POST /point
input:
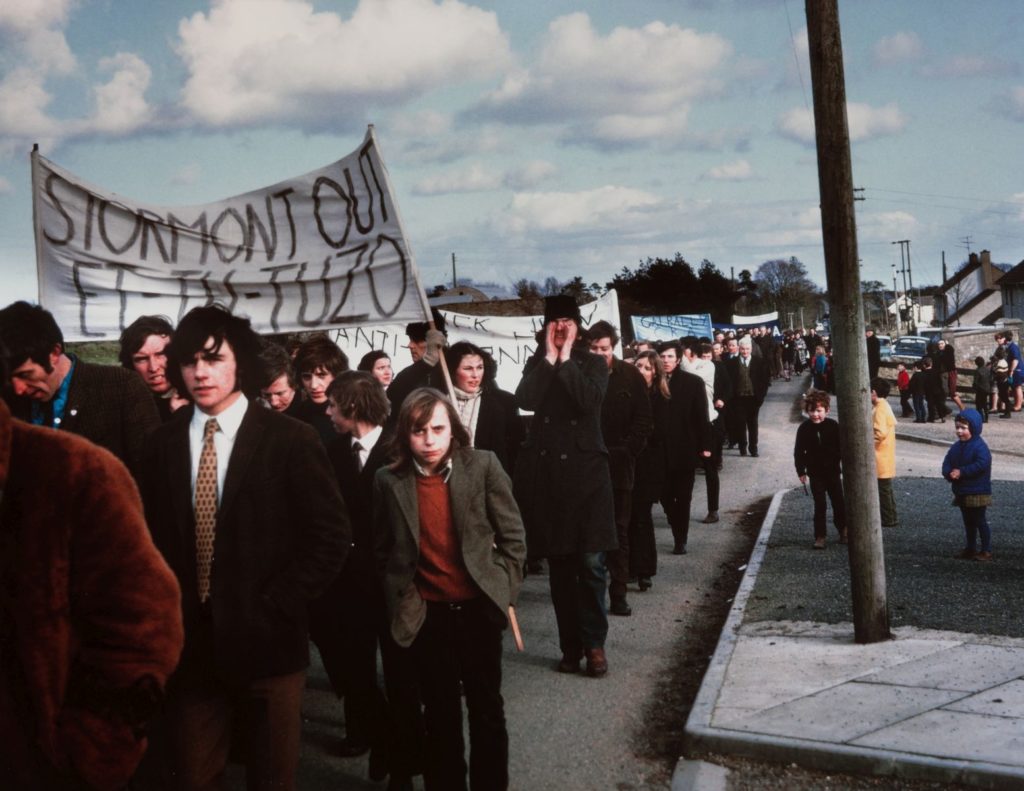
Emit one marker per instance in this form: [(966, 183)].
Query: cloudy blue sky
[(534, 137)]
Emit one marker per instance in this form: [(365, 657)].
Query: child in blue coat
[(968, 467)]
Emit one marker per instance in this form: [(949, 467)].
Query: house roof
[(1014, 277)]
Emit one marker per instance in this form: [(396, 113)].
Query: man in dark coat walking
[(626, 423), (688, 444), (563, 485)]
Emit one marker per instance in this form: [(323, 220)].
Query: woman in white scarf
[(488, 413)]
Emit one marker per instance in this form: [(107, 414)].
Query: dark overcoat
[(562, 482), (626, 421), (282, 536), (499, 428), (652, 462), (689, 432)]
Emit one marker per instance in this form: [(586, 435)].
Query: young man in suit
[(107, 405), (347, 621), (242, 503)]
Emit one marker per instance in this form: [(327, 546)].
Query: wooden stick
[(516, 634)]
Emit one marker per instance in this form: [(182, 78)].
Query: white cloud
[(474, 179), (898, 48), (36, 25), (120, 103), (865, 122), (968, 66), (605, 208), (740, 170), (23, 103), (633, 84), (1011, 103), (260, 60), (530, 175)]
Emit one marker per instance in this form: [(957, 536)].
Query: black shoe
[(350, 749), (645, 583), (753, 453), (569, 663), (620, 606), (1006, 416), (732, 446), (400, 783), (743, 451), (679, 548)]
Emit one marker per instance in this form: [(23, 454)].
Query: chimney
[(986, 258), (972, 259)]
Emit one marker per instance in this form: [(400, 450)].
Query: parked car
[(884, 346), (909, 349)]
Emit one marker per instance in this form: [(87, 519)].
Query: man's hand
[(550, 352), (803, 479), (954, 475), (570, 338), (435, 343)]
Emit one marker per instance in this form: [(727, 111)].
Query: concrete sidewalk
[(930, 704)]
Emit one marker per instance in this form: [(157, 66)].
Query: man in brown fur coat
[(90, 614)]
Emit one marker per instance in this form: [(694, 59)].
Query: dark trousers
[(405, 730), (578, 587), (905, 407), (618, 559), (643, 550), (202, 716), (458, 649), (975, 526), (920, 412), (676, 501), (744, 411), (983, 403), (344, 625), (832, 485)]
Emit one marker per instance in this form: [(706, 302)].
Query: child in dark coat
[(982, 387), (816, 456), (917, 392), (968, 467)]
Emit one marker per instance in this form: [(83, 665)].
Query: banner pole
[(37, 230), (424, 302)]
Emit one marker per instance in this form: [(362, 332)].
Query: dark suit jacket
[(485, 517), (758, 369), (282, 536), (108, 405)]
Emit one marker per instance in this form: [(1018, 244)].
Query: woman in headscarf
[(488, 413)]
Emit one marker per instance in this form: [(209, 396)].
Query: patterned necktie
[(206, 508), (357, 454)]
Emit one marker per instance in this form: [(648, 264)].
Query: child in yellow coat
[(884, 425)]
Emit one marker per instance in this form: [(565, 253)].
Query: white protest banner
[(670, 328), (755, 321), (321, 250), (510, 340)]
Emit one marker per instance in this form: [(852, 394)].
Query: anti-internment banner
[(317, 251), (669, 328), (510, 340)]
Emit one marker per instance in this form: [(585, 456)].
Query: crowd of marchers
[(153, 632)]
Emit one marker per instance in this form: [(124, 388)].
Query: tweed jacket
[(108, 405), (282, 535), (96, 629), (486, 519)]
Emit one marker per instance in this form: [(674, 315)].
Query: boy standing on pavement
[(817, 457)]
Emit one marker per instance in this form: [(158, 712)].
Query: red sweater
[(441, 574)]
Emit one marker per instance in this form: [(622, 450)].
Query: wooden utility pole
[(839, 232)]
